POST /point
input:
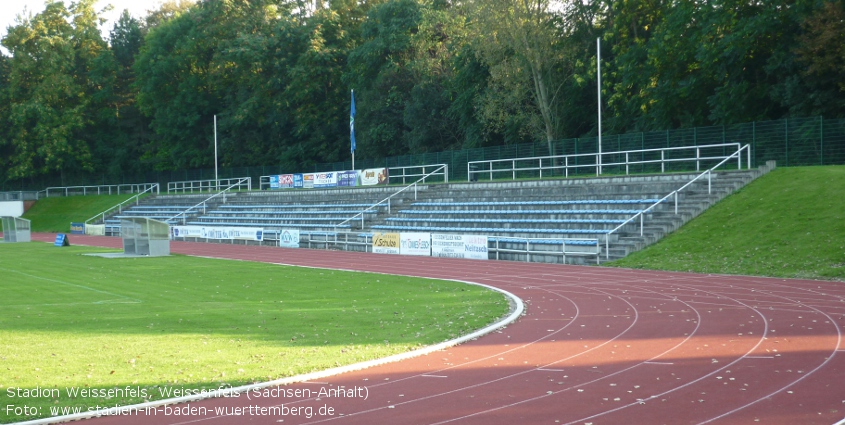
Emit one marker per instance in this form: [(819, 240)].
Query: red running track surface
[(595, 346)]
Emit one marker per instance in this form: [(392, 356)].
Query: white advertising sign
[(415, 244), (227, 233), (459, 246), (289, 238)]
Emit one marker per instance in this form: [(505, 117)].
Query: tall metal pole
[(598, 72), (216, 180)]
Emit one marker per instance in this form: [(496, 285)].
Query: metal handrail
[(708, 172), (414, 184), (222, 192), (566, 160), (120, 205)]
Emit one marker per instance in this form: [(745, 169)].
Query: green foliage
[(429, 76), (789, 223), (177, 322)]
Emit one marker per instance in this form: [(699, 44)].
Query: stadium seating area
[(575, 214)]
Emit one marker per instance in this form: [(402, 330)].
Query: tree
[(518, 42), (49, 90)]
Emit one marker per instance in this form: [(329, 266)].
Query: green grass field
[(789, 223), (55, 214), (73, 321)]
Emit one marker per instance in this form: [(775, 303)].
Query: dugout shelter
[(15, 229), (145, 236)]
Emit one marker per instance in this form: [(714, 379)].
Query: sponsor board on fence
[(415, 244), (386, 243), (322, 180), (281, 181), (77, 228), (459, 246), (347, 178), (374, 176), (308, 181), (289, 238), (227, 233), (297, 181), (95, 229)]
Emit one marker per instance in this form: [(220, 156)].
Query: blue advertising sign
[(61, 240), (347, 178)]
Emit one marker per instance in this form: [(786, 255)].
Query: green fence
[(790, 142)]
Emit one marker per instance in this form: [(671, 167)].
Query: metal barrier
[(387, 199), (578, 247), (115, 189), (19, 196), (238, 183), (419, 171), (191, 186), (119, 206), (674, 193), (663, 156)]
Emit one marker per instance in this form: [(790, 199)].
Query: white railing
[(237, 183), (586, 247), (119, 206), (20, 195), (674, 193), (419, 171), (663, 156), (387, 199), (112, 189), (191, 186)]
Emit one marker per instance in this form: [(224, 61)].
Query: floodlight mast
[(216, 180), (598, 72)]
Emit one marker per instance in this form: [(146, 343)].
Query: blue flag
[(352, 122)]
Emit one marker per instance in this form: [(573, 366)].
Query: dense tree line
[(429, 75)]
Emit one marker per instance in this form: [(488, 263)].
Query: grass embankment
[(55, 214), (789, 223), (69, 321)]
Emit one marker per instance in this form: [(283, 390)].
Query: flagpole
[(352, 128)]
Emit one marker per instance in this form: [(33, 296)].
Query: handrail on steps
[(414, 184), (707, 172), (120, 205)]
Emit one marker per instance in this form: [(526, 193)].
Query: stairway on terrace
[(574, 210)]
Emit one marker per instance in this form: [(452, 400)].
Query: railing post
[(541, 168), (641, 224), (446, 173), (662, 161), (388, 205), (748, 152), (709, 173), (415, 191), (513, 169), (606, 246), (676, 201), (566, 166), (697, 159), (626, 163)]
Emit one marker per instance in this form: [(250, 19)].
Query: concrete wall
[(11, 208)]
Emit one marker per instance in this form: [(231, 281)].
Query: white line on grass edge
[(517, 307)]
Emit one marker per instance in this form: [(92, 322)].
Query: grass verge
[(70, 322), (789, 223), (55, 214)]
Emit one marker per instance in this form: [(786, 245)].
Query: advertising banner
[(415, 244), (347, 178), (386, 243), (308, 181), (274, 182), (322, 180), (77, 228), (95, 229), (285, 181), (227, 233), (289, 238), (459, 246), (297, 181), (374, 176)]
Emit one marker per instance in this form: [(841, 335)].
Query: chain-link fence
[(790, 142)]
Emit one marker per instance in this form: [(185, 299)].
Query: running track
[(595, 346)]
